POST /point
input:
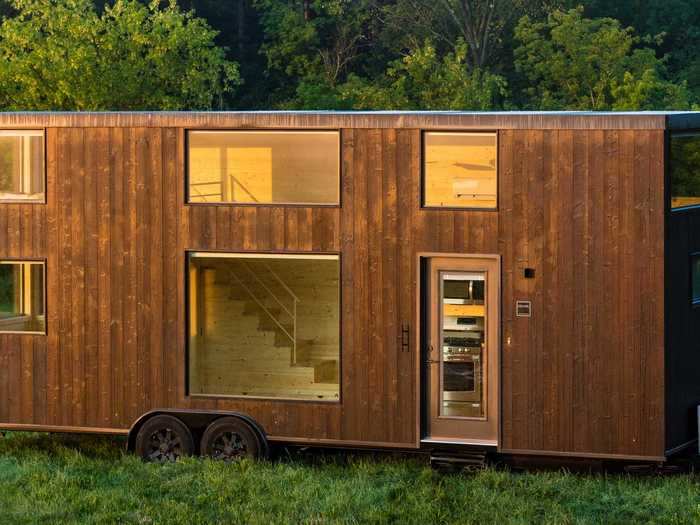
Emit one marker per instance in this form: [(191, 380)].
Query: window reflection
[(22, 297), (262, 167), (685, 170), (463, 321), (460, 170), (21, 165)]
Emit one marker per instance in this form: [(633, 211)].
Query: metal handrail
[(204, 196), (261, 305), (220, 182), (284, 285), (291, 313), (236, 181), (270, 292)]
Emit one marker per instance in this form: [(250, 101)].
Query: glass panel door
[(463, 315), (461, 357)]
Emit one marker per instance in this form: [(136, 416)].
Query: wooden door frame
[(418, 335)]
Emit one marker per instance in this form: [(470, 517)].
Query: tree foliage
[(573, 62), (349, 54), (483, 25), (424, 80), (63, 54), (311, 45)]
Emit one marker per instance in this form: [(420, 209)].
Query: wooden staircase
[(249, 349)]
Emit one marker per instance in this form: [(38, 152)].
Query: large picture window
[(685, 170), (460, 170), (22, 297), (22, 165), (264, 167), (263, 325)]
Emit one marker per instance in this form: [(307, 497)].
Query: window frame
[(30, 260), (44, 175), (423, 172), (668, 179), (339, 134), (253, 254), (694, 302)]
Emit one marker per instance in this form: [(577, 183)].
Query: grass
[(66, 479)]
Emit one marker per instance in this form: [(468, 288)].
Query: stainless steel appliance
[(462, 374)]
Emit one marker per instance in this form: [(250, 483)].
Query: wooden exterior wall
[(583, 207), (586, 209)]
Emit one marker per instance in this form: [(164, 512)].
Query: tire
[(230, 439), (164, 439)]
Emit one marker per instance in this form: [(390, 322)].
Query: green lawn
[(65, 479)]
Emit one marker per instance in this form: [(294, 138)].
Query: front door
[(461, 358)]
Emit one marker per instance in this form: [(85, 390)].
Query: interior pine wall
[(582, 207)]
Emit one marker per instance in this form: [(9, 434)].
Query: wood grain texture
[(584, 208), (338, 120), (585, 373)]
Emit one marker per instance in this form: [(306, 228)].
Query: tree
[(239, 32), (421, 80), (63, 55), (314, 44), (572, 62), (424, 80), (5, 9), (678, 21), (482, 24)]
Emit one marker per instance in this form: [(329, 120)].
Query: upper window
[(22, 297), (460, 170), (695, 277), (22, 165), (685, 170), (264, 325), (264, 167)]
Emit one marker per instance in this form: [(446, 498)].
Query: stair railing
[(237, 182), (194, 188), (291, 312)]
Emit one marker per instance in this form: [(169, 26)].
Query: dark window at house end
[(685, 170), (695, 278)]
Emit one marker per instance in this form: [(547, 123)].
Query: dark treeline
[(389, 54)]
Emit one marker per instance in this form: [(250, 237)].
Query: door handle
[(428, 360), (405, 338)]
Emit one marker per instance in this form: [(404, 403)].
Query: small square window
[(460, 170), (22, 166), (22, 297), (695, 277)]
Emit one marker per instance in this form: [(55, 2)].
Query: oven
[(461, 377)]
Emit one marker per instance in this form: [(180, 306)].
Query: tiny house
[(526, 284)]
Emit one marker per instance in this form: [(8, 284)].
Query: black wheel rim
[(228, 446), (164, 445)]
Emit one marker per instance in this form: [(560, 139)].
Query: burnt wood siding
[(583, 207), (585, 374)]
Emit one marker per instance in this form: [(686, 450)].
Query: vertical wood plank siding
[(585, 373), (584, 208)]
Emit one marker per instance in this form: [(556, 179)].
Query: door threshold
[(456, 441)]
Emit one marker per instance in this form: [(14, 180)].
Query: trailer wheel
[(163, 439), (230, 439)]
